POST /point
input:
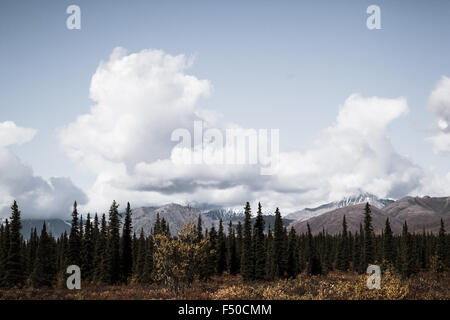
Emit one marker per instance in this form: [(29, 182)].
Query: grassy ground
[(335, 285)]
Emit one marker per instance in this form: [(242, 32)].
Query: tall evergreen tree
[(292, 262), (314, 265), (269, 268), (221, 250), (126, 246), (100, 275), (279, 249), (239, 241), (14, 273), (199, 228), (88, 248), (247, 252), (405, 252), (232, 257), (258, 245), (343, 256), (112, 258), (74, 253), (441, 247), (388, 243), (44, 273), (369, 247)]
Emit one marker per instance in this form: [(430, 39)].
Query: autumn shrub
[(177, 259)]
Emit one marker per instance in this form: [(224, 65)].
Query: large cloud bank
[(141, 98), (37, 197)]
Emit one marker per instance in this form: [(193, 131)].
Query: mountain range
[(420, 213)]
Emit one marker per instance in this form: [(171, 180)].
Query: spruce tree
[(269, 267), (313, 261), (279, 249), (88, 248), (44, 272), (258, 245), (405, 252), (369, 248), (247, 252), (74, 254), (112, 258), (388, 243), (140, 259), (199, 228), (126, 254), (232, 257), (14, 271), (441, 247), (343, 256), (100, 275), (239, 241), (221, 258), (211, 260), (292, 262)]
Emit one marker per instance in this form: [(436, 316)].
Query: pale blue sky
[(273, 64)]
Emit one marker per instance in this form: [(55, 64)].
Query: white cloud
[(439, 104), (139, 99), (36, 197), (11, 134)]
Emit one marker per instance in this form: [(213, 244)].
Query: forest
[(112, 255)]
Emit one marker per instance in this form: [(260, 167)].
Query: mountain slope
[(308, 213), (420, 213), (174, 214)]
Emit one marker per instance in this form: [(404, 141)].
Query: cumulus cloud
[(11, 134), (141, 98), (439, 104), (36, 197)]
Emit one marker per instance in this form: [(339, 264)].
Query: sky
[(87, 114)]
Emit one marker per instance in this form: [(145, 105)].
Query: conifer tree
[(209, 266), (140, 259), (343, 256), (44, 272), (126, 246), (74, 253), (232, 257), (314, 265), (247, 264), (14, 271), (221, 258), (32, 247), (112, 258), (441, 247), (100, 275), (199, 228), (369, 248), (269, 267), (388, 243), (239, 241), (279, 249), (292, 262), (4, 248), (258, 245), (405, 252), (88, 247)]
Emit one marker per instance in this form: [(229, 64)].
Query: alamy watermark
[(237, 147), (74, 280), (374, 280)]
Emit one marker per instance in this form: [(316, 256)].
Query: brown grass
[(336, 285)]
